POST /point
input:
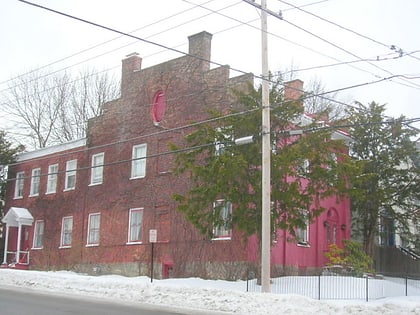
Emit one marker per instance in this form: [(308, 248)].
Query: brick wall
[(190, 88)]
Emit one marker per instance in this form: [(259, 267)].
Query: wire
[(392, 47), (280, 17), (194, 56), (135, 37), (160, 132), (377, 59), (416, 86), (103, 43), (112, 50), (201, 146), (145, 40)]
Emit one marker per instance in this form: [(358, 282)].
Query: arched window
[(158, 108)]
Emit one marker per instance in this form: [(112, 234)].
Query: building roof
[(16, 216)]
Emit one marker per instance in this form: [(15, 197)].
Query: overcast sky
[(357, 34)]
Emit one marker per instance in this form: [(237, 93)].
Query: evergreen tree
[(387, 189), (304, 168), (7, 156)]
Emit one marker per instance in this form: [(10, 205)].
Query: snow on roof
[(17, 215), (51, 150)]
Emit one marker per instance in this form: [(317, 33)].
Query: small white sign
[(153, 236)]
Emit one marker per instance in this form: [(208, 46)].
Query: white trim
[(70, 172), (35, 234), (19, 180), (88, 230), (51, 150), (222, 238), (62, 232), (135, 159), (51, 175), (133, 243), (129, 242), (98, 167), (35, 179)]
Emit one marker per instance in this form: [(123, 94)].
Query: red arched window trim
[(159, 106)]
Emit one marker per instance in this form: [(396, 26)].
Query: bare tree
[(54, 108), (89, 93), (322, 104)]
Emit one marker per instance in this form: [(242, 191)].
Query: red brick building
[(89, 205)]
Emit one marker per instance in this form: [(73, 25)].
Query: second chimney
[(293, 90)]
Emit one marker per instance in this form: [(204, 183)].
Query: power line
[(113, 50), (154, 43), (103, 43), (192, 148), (338, 25), (125, 34), (194, 56), (392, 47), (416, 86), (280, 17), (157, 133), (132, 36), (377, 59)]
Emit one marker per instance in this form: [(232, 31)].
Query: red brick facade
[(189, 88)]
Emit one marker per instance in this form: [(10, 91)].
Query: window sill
[(69, 189), (17, 197), (50, 192), (95, 184), (64, 247), (37, 248), (133, 243), (34, 195), (92, 245), (303, 245), (137, 177), (222, 238)]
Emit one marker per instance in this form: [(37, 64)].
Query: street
[(26, 302)]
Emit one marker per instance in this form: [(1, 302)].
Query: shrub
[(351, 257)]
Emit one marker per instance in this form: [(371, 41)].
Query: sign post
[(152, 240)]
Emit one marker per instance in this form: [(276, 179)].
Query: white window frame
[(70, 172), (223, 232), (93, 235), (38, 241), (302, 234), (138, 162), (35, 182), (52, 179), (19, 185), (135, 228), (66, 232), (96, 172)]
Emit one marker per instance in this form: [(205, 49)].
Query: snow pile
[(198, 294)]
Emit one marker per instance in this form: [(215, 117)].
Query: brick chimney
[(200, 46), (130, 64), (293, 90)]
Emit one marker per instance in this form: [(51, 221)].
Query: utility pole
[(266, 158), (266, 151)]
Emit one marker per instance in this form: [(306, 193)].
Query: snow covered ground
[(197, 294)]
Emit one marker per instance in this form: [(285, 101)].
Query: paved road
[(25, 302)]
